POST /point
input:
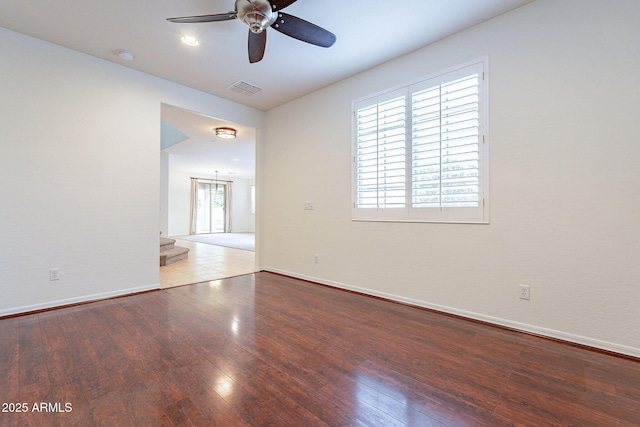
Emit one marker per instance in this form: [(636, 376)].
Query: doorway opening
[(211, 216), (207, 196)]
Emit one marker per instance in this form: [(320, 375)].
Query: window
[(212, 206), (420, 151)]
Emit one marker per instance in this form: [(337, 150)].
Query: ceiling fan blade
[(303, 30), (281, 4), (257, 45), (204, 18)]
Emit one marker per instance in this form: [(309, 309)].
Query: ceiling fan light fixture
[(256, 21), (190, 41), (225, 132), (257, 14)]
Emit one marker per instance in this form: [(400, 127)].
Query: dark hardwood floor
[(270, 350)]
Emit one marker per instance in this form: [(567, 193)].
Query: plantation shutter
[(380, 156), (445, 144), (419, 152)]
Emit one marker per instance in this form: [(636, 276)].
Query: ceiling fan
[(260, 14)]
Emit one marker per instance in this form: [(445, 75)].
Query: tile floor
[(205, 263)]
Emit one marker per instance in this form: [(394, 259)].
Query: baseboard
[(522, 327), (75, 301)]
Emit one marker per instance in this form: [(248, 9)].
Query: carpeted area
[(244, 241)]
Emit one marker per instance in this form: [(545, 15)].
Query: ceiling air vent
[(244, 88)]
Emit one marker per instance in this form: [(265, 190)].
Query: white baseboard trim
[(78, 300), (523, 327)]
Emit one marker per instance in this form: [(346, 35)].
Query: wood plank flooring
[(267, 350)]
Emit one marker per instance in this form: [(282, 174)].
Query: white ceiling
[(203, 153), (369, 32)]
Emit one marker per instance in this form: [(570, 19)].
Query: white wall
[(241, 219), (80, 172), (253, 190), (164, 193), (180, 201), (564, 167)]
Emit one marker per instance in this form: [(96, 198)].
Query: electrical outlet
[(524, 292), (308, 206), (54, 274), (316, 258)]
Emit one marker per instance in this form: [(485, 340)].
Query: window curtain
[(193, 213), (228, 209)]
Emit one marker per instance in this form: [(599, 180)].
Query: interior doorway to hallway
[(224, 170)]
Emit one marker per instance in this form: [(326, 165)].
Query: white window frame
[(476, 214)]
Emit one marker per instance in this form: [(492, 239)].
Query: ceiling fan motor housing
[(257, 14)]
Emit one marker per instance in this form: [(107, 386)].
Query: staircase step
[(166, 244), (172, 255)]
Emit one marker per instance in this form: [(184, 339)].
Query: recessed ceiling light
[(190, 41)]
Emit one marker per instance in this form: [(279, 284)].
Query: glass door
[(211, 208)]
